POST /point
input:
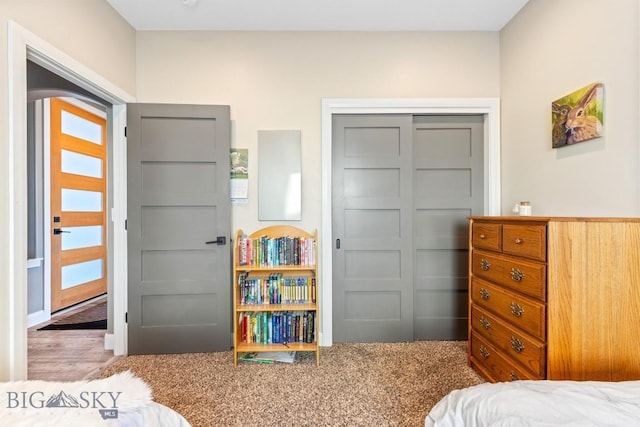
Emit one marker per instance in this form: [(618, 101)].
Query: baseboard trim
[(109, 341), (37, 318)]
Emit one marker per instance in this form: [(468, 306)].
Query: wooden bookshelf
[(275, 291)]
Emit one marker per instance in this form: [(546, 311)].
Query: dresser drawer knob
[(484, 294), (517, 274), (485, 323), (516, 309), (517, 345), (484, 264), (519, 241), (484, 352), (482, 236), (514, 376)]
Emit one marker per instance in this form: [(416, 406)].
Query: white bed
[(121, 400), (540, 403)]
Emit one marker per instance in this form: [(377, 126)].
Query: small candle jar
[(525, 209)]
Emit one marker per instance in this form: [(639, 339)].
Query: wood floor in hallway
[(67, 355)]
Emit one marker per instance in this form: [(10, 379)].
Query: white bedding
[(540, 403), (152, 415)]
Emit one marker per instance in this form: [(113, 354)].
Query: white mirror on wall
[(279, 175)]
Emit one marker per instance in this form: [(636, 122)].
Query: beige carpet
[(393, 384)]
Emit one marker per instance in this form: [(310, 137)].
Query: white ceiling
[(319, 15)]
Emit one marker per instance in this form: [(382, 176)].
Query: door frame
[(43, 112), (488, 107), (23, 45)]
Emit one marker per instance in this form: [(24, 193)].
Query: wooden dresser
[(554, 298)]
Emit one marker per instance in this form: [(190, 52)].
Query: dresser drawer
[(487, 236), (513, 343), (529, 241), (520, 311), (527, 277), (489, 360)]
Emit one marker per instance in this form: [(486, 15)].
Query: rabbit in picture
[(580, 126), (558, 133)]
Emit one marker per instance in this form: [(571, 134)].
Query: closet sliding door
[(402, 188)]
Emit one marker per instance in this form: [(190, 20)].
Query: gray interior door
[(178, 228), (448, 187), (372, 227), (402, 189)]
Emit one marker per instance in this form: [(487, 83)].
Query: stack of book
[(277, 327), (276, 288), (279, 251)]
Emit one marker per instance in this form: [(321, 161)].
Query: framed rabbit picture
[(578, 116)]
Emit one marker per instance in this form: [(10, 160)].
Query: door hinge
[(126, 317), (125, 131), (125, 224)]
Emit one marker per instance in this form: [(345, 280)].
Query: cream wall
[(550, 49), (276, 80), (90, 32)]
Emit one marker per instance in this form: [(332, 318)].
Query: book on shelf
[(276, 288), (268, 357), (277, 327), (283, 356), (277, 251), (253, 358)]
